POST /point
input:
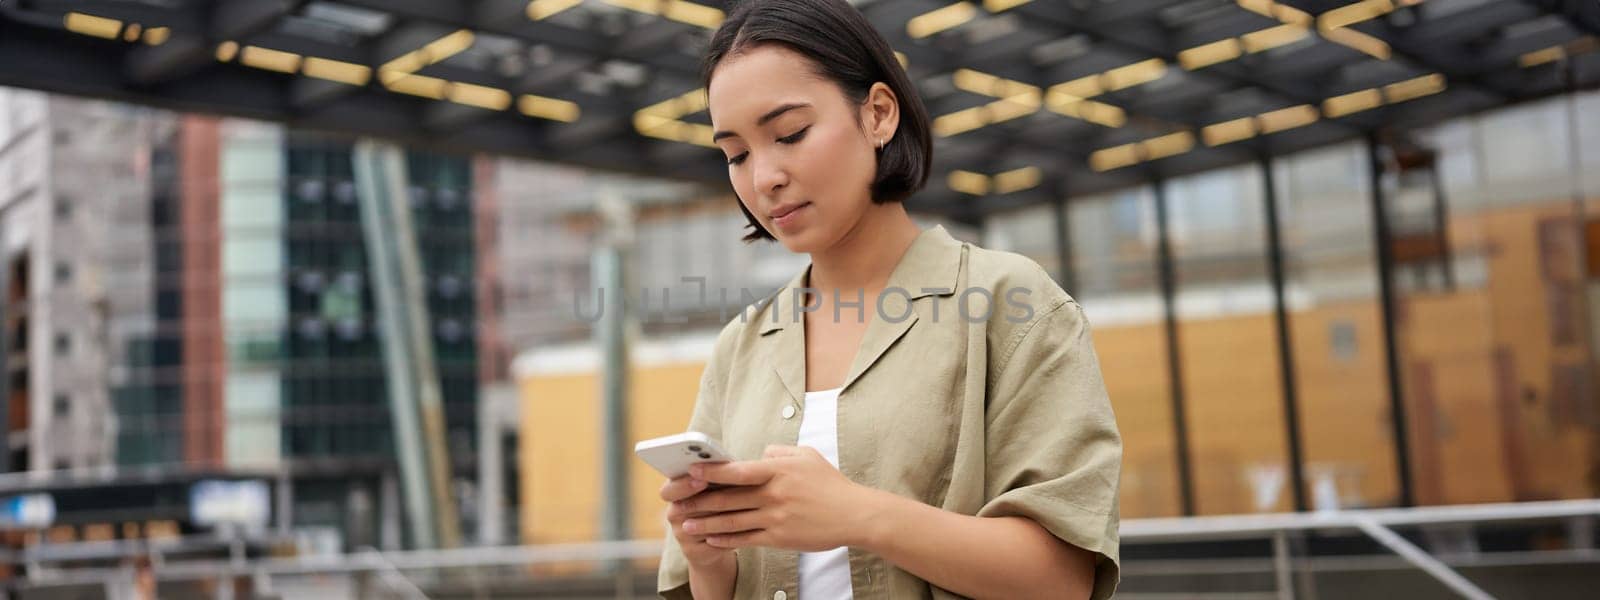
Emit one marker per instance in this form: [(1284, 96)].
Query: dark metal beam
[(1067, 273), (1389, 307), (5, 347), (406, 37), (306, 93), (276, 40), (1166, 272), (181, 55), (190, 50), (496, 16), (1277, 271), (1582, 14), (1462, 66), (1232, 75), (1067, 19), (145, 14), (1108, 13), (235, 19), (85, 66)]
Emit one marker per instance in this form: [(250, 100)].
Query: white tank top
[(824, 575)]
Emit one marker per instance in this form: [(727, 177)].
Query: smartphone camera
[(704, 455), (694, 448)]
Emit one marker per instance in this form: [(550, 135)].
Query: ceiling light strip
[(91, 25), (967, 182), (935, 21), (539, 10), (1276, 121)]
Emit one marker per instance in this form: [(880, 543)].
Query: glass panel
[(1524, 153), (1336, 324), (1114, 262), (1588, 127), (252, 155), (1228, 343), (252, 406), (1030, 232), (255, 258), (1498, 362)]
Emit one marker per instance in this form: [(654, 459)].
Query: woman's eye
[(738, 159), (797, 136)]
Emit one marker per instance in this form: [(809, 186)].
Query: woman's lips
[(791, 217)]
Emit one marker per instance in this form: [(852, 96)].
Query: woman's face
[(800, 154)]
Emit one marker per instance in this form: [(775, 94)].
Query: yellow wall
[(1234, 405), (1133, 362), (560, 458)]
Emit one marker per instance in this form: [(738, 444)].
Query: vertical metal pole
[(415, 399), (1388, 304), (1066, 274), (1280, 309), (375, 186), (611, 273), (1280, 565), (491, 466), (1580, 217), (389, 536), (1168, 281), (5, 348), (1305, 578), (283, 499), (1441, 224)]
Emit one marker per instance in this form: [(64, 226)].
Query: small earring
[(880, 143)]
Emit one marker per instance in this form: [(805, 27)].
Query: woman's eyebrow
[(766, 118)]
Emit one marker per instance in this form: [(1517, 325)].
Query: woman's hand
[(792, 499), (695, 550)]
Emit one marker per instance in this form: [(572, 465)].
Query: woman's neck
[(867, 254)]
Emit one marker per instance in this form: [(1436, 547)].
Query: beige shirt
[(995, 409)]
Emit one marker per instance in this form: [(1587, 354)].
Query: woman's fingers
[(755, 472), (723, 500), (682, 487), (748, 539), (723, 523), (777, 451)]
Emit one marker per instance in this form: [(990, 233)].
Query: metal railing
[(1377, 524)]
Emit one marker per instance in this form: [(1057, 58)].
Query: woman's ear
[(881, 113)]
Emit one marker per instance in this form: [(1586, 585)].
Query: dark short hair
[(846, 50)]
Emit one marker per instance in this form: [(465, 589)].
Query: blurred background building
[(1341, 258)]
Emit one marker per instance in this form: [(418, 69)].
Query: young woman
[(920, 417)]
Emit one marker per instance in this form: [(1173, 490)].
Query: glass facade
[(1114, 254), (146, 388), (254, 223), (1491, 251), (302, 376), (1497, 320), (1226, 341), (333, 385), (1336, 327)]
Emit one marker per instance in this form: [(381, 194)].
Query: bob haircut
[(843, 48)]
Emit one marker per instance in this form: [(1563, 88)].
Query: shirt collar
[(930, 266)]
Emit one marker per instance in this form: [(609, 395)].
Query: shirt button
[(788, 413), (780, 595)]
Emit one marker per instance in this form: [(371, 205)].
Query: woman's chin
[(795, 245), (799, 242)]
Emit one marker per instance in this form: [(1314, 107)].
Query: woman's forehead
[(746, 86)]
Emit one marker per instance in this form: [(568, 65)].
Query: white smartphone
[(672, 455)]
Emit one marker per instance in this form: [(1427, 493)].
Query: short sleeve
[(672, 580), (1053, 451)]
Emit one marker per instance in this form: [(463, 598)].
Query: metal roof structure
[(1033, 100)]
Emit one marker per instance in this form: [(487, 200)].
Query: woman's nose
[(770, 175)]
